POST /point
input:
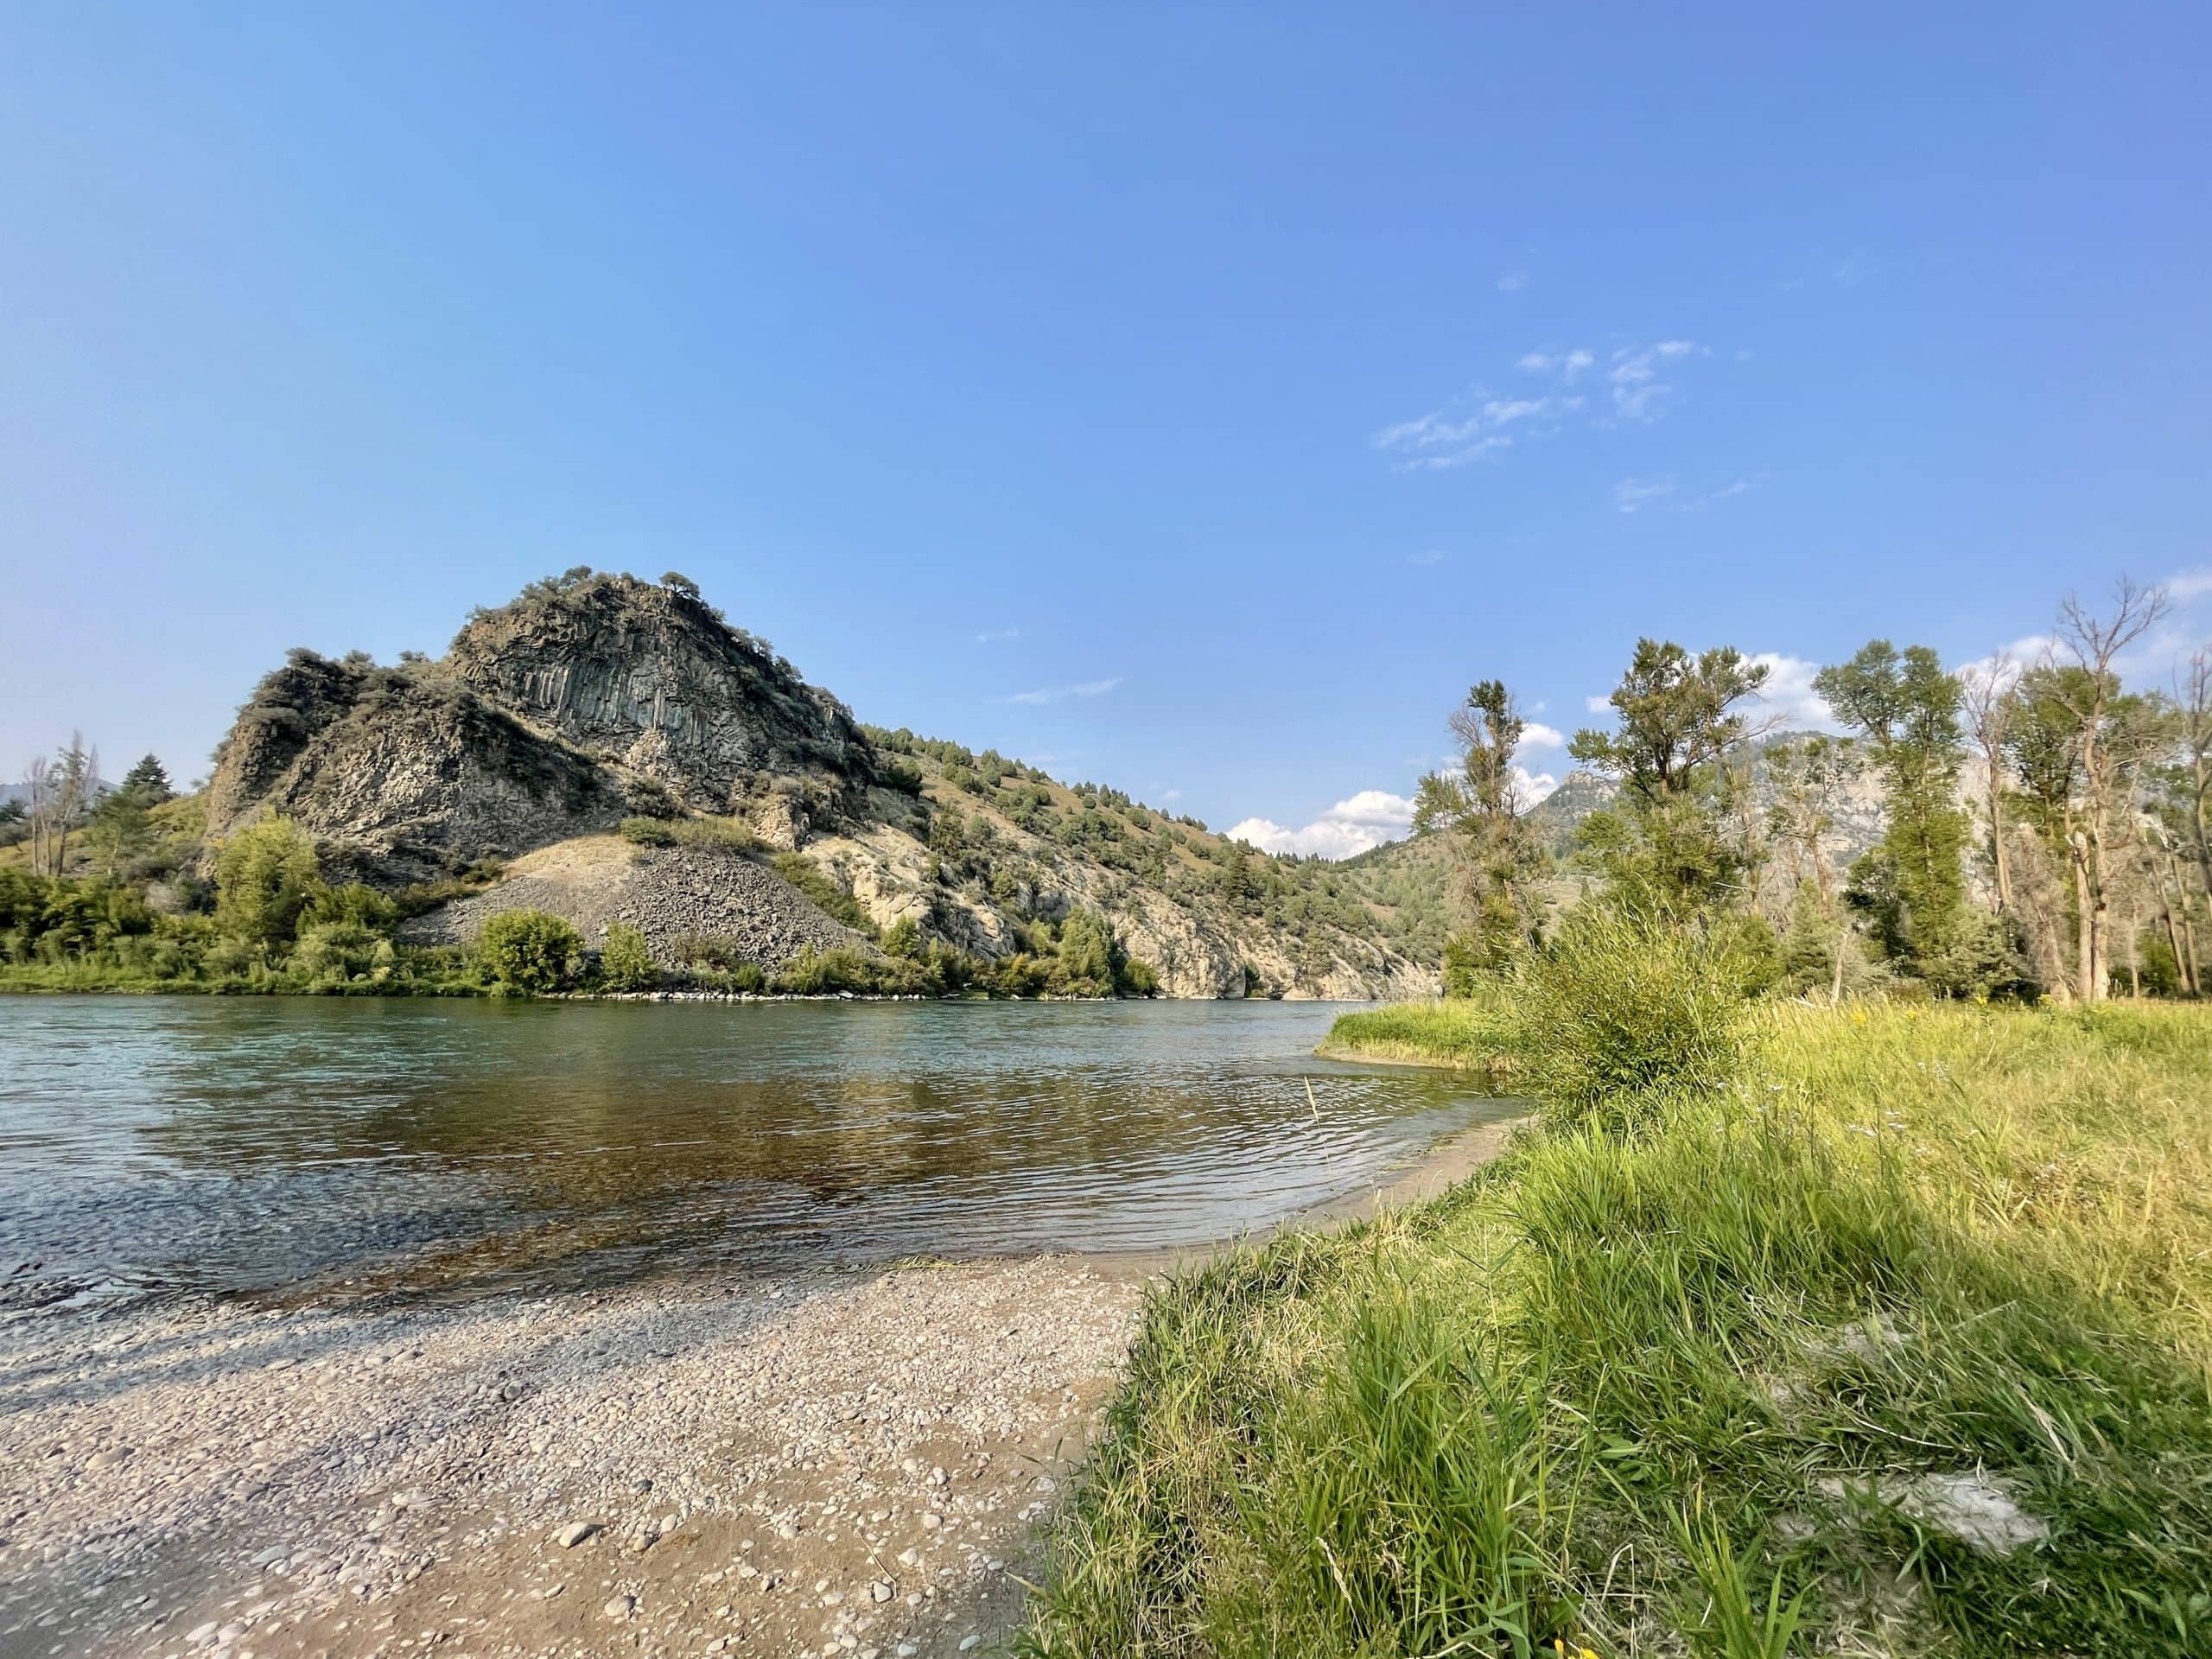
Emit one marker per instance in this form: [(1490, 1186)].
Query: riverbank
[(1464, 1036), (823, 1463), (1894, 1342)]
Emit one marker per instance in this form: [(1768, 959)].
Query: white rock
[(575, 1533), (880, 1591), (619, 1606)]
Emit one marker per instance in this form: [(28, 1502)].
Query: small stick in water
[(1310, 1101)]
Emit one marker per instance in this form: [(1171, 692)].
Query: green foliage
[(648, 832), (341, 948), (1620, 1013), (356, 903), (1497, 857), (1915, 886), (625, 963), (265, 877), (1666, 849), (1619, 1394), (148, 781), (531, 952), (1476, 1032), (826, 895), (903, 938)]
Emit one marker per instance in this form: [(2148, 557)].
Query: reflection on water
[(328, 1147)]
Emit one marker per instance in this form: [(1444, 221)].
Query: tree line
[(2043, 824)]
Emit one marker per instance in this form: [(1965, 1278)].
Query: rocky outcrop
[(652, 680), (400, 772)]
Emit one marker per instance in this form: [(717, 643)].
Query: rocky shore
[(819, 1465)]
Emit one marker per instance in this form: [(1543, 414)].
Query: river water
[(285, 1149)]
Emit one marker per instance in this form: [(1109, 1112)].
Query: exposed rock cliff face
[(593, 696), (401, 773), (650, 679)]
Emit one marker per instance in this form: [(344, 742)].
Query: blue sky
[(1195, 400)]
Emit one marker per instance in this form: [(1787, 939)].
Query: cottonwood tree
[(1985, 703), (2114, 735), (60, 794), (1808, 777), (1678, 723), (1480, 804), (1907, 709)]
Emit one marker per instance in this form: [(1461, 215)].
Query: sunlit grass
[(1660, 1393), (1467, 1033)]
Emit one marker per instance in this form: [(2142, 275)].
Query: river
[(286, 1150)]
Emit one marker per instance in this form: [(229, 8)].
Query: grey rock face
[(647, 678), (401, 773)]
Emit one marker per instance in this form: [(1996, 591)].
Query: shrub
[(625, 963), (903, 938), (649, 832), (1620, 1008), (342, 949), (530, 951), (353, 903), (715, 834), (265, 876), (824, 893)]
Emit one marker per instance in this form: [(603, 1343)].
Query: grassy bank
[(1743, 1380), (1465, 1035)]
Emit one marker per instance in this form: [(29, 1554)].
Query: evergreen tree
[(150, 781)]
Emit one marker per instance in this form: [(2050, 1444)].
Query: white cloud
[(1057, 693), (2186, 586), (1476, 423), (990, 635), (1533, 786), (1351, 826), (1634, 380), (1446, 438), (1788, 694), (1427, 555), (1600, 704), (1537, 735), (1169, 796), (1513, 282), (1634, 494)]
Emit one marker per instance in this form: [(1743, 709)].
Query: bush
[(903, 938), (529, 952), (341, 949), (1621, 1008), (625, 963), (649, 832), (824, 893)]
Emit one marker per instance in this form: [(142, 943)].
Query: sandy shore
[(820, 1464)]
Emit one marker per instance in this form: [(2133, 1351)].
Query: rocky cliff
[(592, 697)]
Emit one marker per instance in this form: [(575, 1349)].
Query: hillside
[(593, 699)]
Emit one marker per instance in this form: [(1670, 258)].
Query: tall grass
[(1476, 1034), (1670, 1391)]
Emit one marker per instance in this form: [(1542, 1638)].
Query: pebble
[(399, 1489)]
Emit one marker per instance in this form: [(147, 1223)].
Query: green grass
[(1644, 1393), (1471, 1034)]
